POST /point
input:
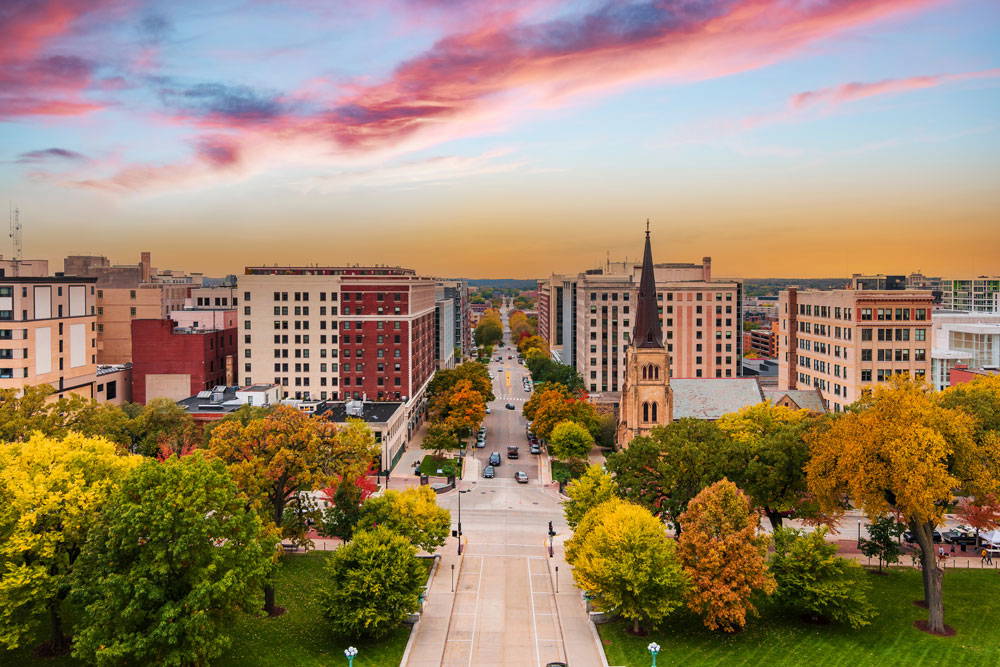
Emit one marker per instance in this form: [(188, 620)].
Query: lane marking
[(475, 619), (534, 625)]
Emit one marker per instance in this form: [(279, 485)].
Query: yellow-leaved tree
[(51, 490), (903, 451)]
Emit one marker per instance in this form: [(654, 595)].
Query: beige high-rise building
[(48, 334), (843, 342), (588, 318), (118, 306)]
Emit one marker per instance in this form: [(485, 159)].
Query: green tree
[(174, 555), (592, 488), (444, 381), (883, 540), (24, 412), (570, 440), (277, 458), (488, 332), (624, 558), (413, 513), (814, 581), (50, 491), (372, 584), (440, 438), (979, 398), (724, 555), (342, 514), (169, 429)]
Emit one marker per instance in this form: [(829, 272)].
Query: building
[(843, 342), (961, 374), (213, 405), (764, 370), (458, 291), (646, 397), (114, 384), (968, 341), (336, 333), (879, 281), (444, 333), (979, 294), (713, 397), (764, 341), (386, 419), (222, 296), (193, 351), (48, 334), (24, 268), (587, 320), (117, 307), (797, 399)]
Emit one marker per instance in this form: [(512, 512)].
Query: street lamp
[(653, 649), (350, 652), (460, 519)]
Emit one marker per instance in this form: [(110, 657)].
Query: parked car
[(488, 411), (908, 536), (521, 477), (510, 406), (512, 452), (489, 472), (959, 535), (480, 444), (535, 449), (495, 459)]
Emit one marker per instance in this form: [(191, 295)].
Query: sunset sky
[(800, 138)]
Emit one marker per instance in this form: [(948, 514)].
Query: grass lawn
[(972, 607), (431, 464), (299, 637)]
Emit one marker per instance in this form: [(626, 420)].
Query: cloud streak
[(854, 91)]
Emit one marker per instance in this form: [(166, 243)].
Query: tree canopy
[(553, 404), (592, 488), (570, 440), (413, 513)]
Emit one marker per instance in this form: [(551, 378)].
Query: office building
[(444, 332), (969, 341), (458, 291), (979, 294), (843, 342)]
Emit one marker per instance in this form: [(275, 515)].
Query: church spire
[(647, 324)]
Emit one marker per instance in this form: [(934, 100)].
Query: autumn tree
[(902, 451), (25, 412), (488, 332), (767, 455), (545, 371), (979, 398), (463, 410), (413, 513), (343, 507), (533, 342), (553, 404), (371, 584), (592, 488), (724, 556), (622, 556), (287, 453), (814, 581), (440, 438), (173, 556), (982, 515), (444, 381), (666, 469), (570, 441), (883, 540), (50, 491)]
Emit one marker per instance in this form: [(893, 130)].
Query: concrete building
[(969, 341), (842, 342), (334, 333), (765, 341), (444, 333), (224, 296), (587, 320), (979, 294), (117, 307), (193, 351), (114, 384), (458, 291), (48, 334), (24, 268), (386, 419)]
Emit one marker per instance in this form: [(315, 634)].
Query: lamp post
[(350, 652), (653, 649), (460, 520)]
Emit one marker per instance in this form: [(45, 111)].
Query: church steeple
[(648, 333)]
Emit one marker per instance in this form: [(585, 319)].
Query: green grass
[(299, 637), (972, 607), (431, 464)]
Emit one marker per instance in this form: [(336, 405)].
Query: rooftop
[(806, 399), (710, 398), (355, 270), (373, 412)]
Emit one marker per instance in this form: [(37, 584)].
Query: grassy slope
[(972, 607)]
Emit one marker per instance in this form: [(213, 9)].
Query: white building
[(968, 338)]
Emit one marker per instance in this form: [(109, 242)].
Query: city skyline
[(771, 136)]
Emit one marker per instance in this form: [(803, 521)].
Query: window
[(920, 354), (866, 313), (866, 354), (920, 334)]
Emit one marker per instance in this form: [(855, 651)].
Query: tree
[(440, 438), (900, 450), (587, 491), (982, 514), (665, 470), (555, 403), (626, 561), (278, 457), (444, 381), (488, 332), (570, 441), (767, 455), (372, 584), (817, 583), (883, 540), (533, 342), (174, 554), (545, 371), (50, 490), (413, 513), (344, 507), (167, 426), (724, 556), (22, 413), (464, 409), (980, 398)]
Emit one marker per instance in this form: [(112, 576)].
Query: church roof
[(806, 399), (710, 398), (648, 333)]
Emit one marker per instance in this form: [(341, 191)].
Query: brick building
[(764, 341), (117, 307), (175, 362)]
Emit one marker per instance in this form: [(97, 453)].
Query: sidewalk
[(579, 635), (430, 634)]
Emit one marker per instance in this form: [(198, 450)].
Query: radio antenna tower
[(16, 237)]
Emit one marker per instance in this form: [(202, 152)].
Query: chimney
[(144, 262), (706, 269)]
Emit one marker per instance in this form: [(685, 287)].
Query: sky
[(783, 138)]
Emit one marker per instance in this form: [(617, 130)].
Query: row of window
[(304, 296), (899, 314)]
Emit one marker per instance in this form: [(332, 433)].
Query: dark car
[(510, 406), (959, 536), (521, 477), (512, 452), (908, 536), (495, 459), (535, 449), (489, 472)]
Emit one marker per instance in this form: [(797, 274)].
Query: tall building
[(117, 307), (444, 332), (843, 342), (587, 320), (979, 294), (458, 291), (338, 333), (969, 341), (48, 334), (646, 398)]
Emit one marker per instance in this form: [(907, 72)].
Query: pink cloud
[(490, 75), (851, 92)]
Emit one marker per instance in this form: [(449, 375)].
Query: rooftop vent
[(354, 408)]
